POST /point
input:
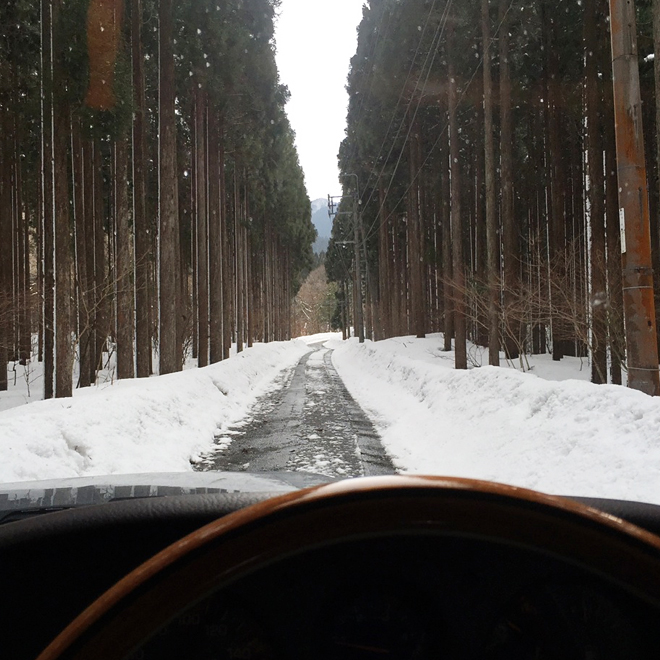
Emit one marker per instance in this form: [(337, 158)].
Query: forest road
[(310, 423)]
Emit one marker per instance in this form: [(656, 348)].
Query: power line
[(396, 108), (373, 229), (437, 37)]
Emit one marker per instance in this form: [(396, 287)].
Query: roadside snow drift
[(150, 425), (568, 438)]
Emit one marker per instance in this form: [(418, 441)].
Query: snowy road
[(310, 423)]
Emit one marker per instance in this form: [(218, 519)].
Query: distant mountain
[(319, 204), (323, 224), (321, 245)]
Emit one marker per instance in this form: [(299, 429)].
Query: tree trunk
[(509, 229), (384, 279), (556, 166), (185, 203), (249, 277), (6, 302), (616, 329), (447, 266), (24, 340), (596, 195), (398, 299), (540, 247), (215, 240), (193, 254), (63, 239), (123, 272), (39, 237), (168, 196), (202, 182), (88, 339), (238, 254), (140, 223), (493, 243), (416, 261), (48, 208), (656, 225), (102, 289), (458, 279), (268, 279), (224, 255), (82, 280), (480, 227)]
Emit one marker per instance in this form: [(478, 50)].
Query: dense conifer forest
[(480, 148), (151, 199), (152, 205)]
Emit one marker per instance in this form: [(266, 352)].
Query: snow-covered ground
[(547, 428), (156, 424)]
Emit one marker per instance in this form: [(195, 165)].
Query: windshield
[(331, 238)]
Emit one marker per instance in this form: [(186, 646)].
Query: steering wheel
[(238, 544)]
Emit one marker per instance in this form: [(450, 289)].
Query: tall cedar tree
[(525, 162), (168, 211), (80, 192)]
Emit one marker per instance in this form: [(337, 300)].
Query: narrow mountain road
[(310, 423)]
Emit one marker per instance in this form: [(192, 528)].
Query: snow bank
[(150, 425), (569, 438), (320, 337)]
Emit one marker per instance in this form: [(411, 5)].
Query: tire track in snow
[(310, 424)]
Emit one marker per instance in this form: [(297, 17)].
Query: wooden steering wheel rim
[(232, 546)]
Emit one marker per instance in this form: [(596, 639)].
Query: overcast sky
[(315, 42)]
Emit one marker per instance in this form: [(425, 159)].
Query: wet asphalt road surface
[(309, 423)]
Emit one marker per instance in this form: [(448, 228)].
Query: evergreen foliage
[(257, 206), (556, 253)]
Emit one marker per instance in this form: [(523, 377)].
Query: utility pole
[(638, 303), (357, 271)]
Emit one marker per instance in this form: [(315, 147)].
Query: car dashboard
[(412, 597), (404, 567)]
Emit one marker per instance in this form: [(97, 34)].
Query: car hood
[(26, 499), (33, 497)]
